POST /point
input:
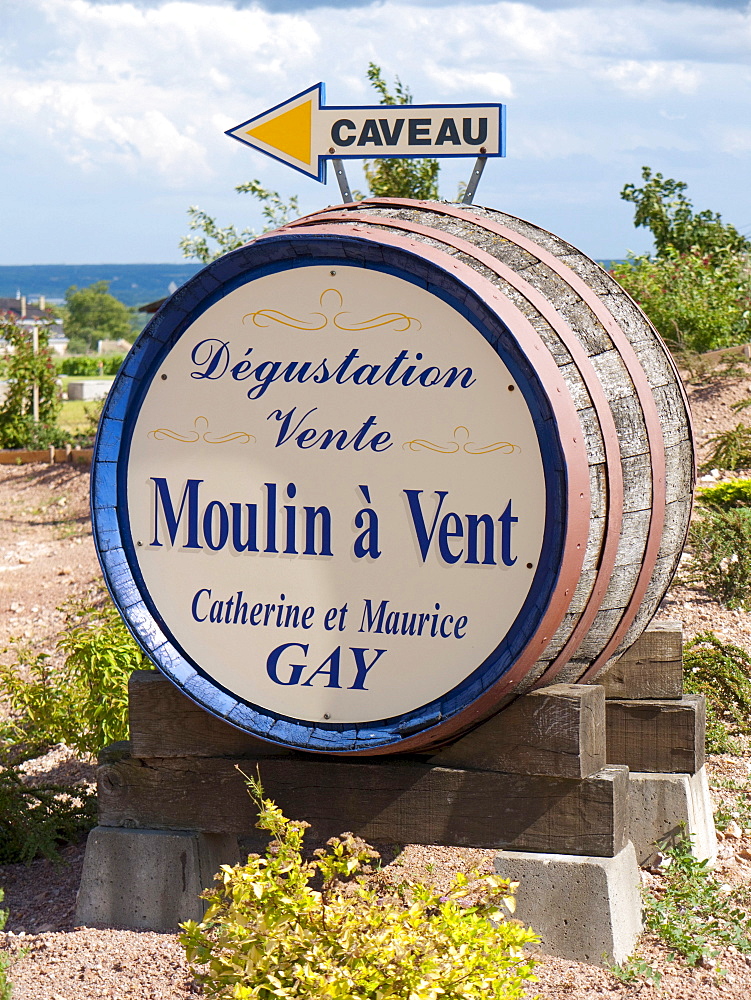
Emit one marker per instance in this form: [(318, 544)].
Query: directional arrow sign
[(303, 133)]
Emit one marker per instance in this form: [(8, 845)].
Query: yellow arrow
[(289, 132)]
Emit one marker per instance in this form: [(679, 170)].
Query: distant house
[(28, 315)]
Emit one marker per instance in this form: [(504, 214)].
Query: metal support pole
[(341, 176), (474, 180)]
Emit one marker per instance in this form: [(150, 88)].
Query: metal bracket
[(341, 176), (474, 180)]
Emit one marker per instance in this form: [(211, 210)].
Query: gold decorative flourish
[(331, 302), (461, 442), (163, 433)]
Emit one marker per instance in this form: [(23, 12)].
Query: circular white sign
[(335, 494)]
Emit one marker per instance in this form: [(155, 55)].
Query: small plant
[(737, 809), (721, 548), (6, 990), (721, 672), (726, 496), (635, 971), (84, 703), (34, 820), (690, 914), (730, 449), (268, 933)]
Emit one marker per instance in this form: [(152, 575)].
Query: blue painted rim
[(113, 539)]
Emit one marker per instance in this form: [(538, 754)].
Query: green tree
[(23, 369), (696, 289), (663, 208), (399, 178), (92, 314)]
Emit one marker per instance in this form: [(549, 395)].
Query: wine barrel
[(599, 405)]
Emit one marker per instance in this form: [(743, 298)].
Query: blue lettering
[(296, 669)]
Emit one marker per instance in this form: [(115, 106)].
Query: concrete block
[(663, 807), (93, 389), (585, 909), (148, 879)]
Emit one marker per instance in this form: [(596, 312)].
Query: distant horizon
[(134, 284)]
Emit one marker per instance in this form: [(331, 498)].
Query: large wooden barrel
[(602, 399)]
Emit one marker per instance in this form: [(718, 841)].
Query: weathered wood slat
[(386, 802), (659, 736)]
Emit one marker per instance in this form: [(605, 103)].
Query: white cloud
[(133, 96), (644, 79), (489, 83)]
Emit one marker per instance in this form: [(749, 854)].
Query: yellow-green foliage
[(84, 702), (269, 934)]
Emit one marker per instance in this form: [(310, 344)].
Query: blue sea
[(133, 284)]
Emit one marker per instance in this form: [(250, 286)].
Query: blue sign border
[(371, 154), (113, 538)]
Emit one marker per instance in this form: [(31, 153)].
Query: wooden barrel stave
[(644, 380)]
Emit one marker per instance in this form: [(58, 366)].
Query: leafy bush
[(721, 549), (731, 449), (35, 819), (733, 493), (695, 301), (721, 672), (269, 934), (690, 913), (85, 702)]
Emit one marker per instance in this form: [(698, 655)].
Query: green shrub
[(721, 549), (84, 703), (721, 672), (34, 820), (89, 364), (731, 449), (696, 301), (733, 493), (24, 369), (269, 934), (690, 913)]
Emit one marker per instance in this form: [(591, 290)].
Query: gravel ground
[(47, 555)]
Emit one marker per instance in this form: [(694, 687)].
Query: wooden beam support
[(651, 668), (403, 801), (660, 736), (557, 731), (166, 723)]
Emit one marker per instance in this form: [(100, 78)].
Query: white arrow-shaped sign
[(304, 133)]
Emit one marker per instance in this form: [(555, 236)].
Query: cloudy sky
[(113, 113)]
